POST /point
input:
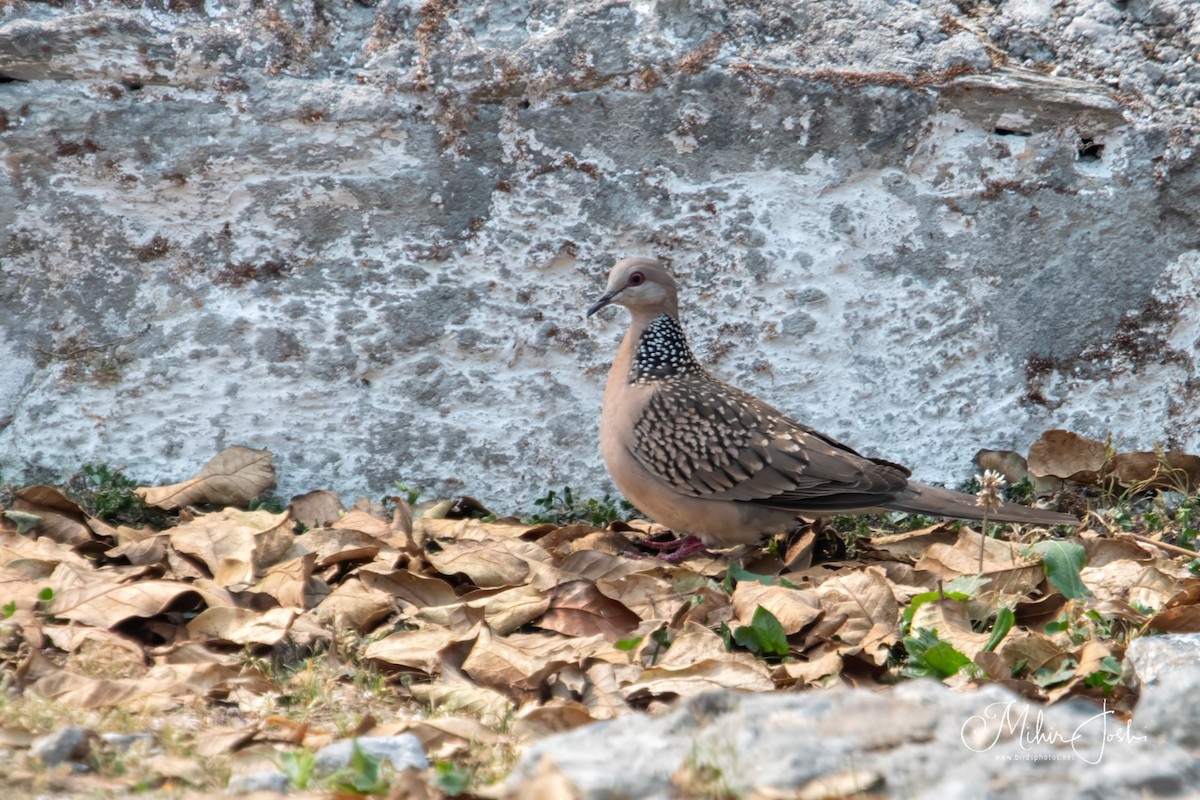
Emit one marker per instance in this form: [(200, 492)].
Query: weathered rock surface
[(362, 236), (918, 740)]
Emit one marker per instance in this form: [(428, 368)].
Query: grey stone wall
[(363, 235)]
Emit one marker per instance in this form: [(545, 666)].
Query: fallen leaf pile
[(490, 634)]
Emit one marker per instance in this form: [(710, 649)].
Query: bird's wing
[(707, 439)]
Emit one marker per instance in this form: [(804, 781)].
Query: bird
[(708, 460)]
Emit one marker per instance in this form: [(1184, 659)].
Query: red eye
[(637, 279)]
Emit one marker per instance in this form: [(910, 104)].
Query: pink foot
[(678, 550)]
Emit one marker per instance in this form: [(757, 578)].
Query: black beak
[(604, 300)]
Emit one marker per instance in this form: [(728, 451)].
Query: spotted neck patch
[(662, 352)]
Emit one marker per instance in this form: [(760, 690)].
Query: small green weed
[(563, 509), (107, 494), (362, 777)]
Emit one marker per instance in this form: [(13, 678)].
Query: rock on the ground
[(1168, 669), (63, 745), (262, 781), (403, 751), (918, 739), (363, 235)]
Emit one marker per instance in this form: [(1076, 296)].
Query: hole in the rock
[(1009, 132), (1088, 149)]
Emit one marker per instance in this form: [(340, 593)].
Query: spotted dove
[(702, 457)]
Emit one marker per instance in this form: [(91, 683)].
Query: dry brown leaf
[(549, 783), (1144, 470), (140, 546), (697, 661), (316, 509), (454, 693), (507, 610), (288, 581), (1010, 573), (61, 520), (948, 618), (243, 626), (595, 565), (364, 522), (1062, 454), (353, 604), (237, 546), (233, 477), (420, 591), (338, 545), (602, 692), (441, 737), (1036, 649), (818, 666), (871, 612), (578, 608), (647, 596), (417, 649), (794, 608), (109, 606), (1181, 614), (910, 546), (556, 716), (484, 563), (521, 660)]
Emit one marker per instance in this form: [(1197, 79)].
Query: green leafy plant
[(563, 508), (1005, 619), (1047, 677), (411, 494), (1063, 562), (299, 767), (108, 495), (363, 776), (266, 502), (930, 657), (452, 778), (764, 635), (1107, 677)]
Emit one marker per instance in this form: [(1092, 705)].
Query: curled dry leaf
[(1143, 470), (336, 545), (556, 716), (353, 604), (109, 606), (316, 509), (794, 608), (577, 608), (60, 519), (911, 545), (949, 620), (1062, 454), (521, 660), (510, 609), (233, 477), (698, 662), (454, 693), (1181, 614), (1009, 571), (417, 649), (868, 605), (484, 563), (237, 546), (245, 627)]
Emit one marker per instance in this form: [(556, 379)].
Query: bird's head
[(642, 285)]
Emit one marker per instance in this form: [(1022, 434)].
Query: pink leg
[(677, 551)]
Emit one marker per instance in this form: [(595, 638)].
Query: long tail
[(921, 498)]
